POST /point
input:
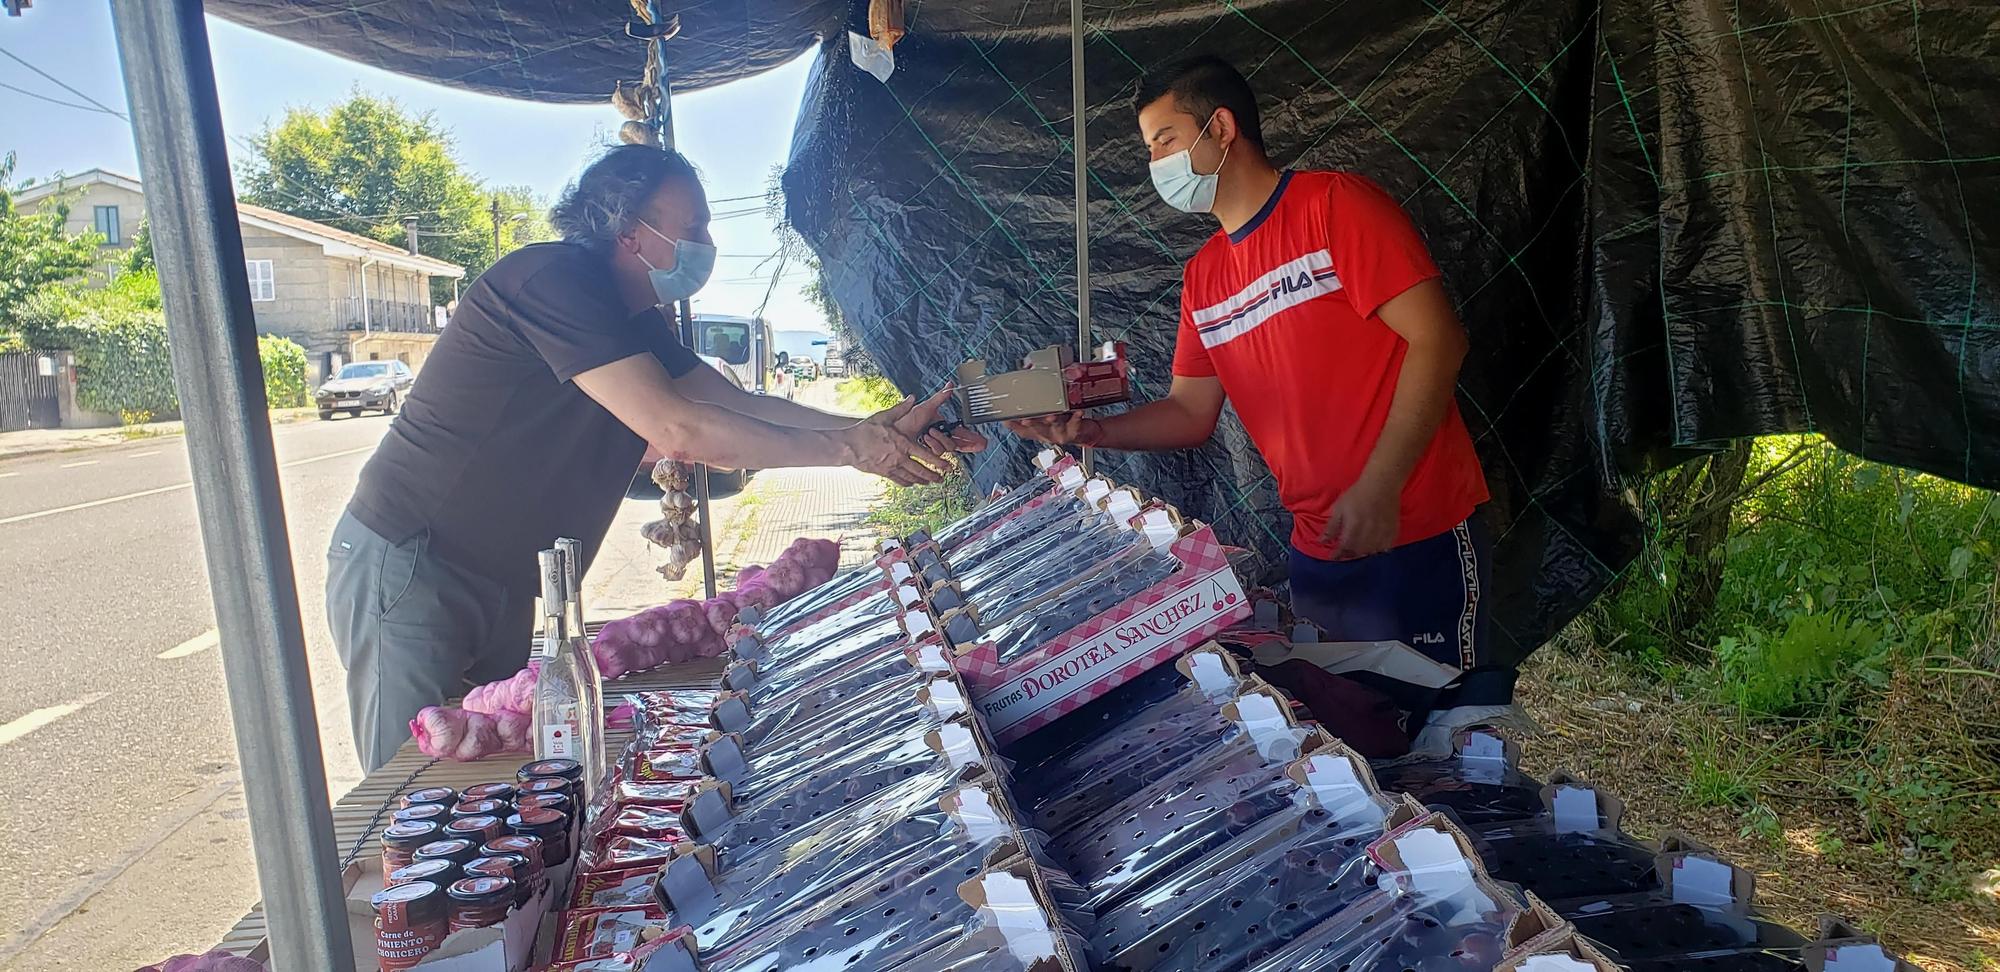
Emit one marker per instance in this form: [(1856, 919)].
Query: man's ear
[(1223, 130)]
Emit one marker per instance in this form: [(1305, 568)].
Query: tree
[(35, 252), (854, 358), (366, 164)]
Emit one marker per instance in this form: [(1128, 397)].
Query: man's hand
[(916, 423), (1364, 520), (880, 445), (1061, 429)]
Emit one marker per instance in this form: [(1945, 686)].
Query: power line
[(101, 106), (54, 101)]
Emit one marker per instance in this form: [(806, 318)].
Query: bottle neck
[(554, 632)]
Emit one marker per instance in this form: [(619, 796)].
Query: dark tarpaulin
[(562, 51), (1666, 225)]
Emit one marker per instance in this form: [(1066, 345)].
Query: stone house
[(342, 296)]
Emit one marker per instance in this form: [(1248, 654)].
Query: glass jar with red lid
[(546, 784), (458, 850), (553, 800), (524, 846), (481, 808), (477, 902), (552, 826), (401, 840), (430, 794), (513, 867), (437, 871), (423, 811), (488, 791), (564, 769), (411, 921), (479, 829)]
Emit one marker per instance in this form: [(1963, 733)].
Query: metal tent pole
[(213, 339), (663, 127), (1080, 138)]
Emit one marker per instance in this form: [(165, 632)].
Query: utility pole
[(496, 227), (410, 228)]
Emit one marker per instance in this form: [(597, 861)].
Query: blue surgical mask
[(1180, 185), (693, 262)]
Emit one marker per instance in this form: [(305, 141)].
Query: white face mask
[(1180, 185)]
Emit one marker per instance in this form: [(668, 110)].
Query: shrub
[(284, 371), (866, 396), (122, 364)]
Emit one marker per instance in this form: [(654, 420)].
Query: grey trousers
[(413, 630)]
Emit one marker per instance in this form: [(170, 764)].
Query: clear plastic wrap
[(1111, 553), (1197, 807), (1572, 849), (1093, 596), (1431, 911), (875, 927), (882, 841), (956, 534), (822, 788), (1066, 793), (1007, 535), (1480, 783), (859, 660), (1270, 883), (1653, 926), (844, 585), (898, 738), (837, 710), (779, 648)]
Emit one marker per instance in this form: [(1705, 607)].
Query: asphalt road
[(124, 838)]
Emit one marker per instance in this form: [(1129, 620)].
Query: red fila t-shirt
[(1283, 312)]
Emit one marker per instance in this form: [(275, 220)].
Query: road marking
[(8, 475), (142, 494), (195, 645), (41, 717), (86, 462), (143, 455)]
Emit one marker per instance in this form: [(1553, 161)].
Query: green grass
[(1851, 623), (866, 396), (906, 509)]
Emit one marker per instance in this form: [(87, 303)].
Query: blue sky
[(499, 140)]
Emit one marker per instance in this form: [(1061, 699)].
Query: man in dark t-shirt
[(557, 370)]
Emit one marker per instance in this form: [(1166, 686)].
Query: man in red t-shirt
[(1316, 311)]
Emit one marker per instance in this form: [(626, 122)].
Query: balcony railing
[(386, 315)]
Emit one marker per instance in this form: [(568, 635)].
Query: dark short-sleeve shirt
[(497, 453)]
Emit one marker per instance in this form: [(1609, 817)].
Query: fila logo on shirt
[(1280, 289)]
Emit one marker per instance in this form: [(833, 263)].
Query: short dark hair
[(604, 202), (1202, 84)]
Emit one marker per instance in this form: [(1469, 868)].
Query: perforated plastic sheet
[(1666, 225)]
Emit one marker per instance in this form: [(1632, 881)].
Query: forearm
[(781, 411), (1155, 426), (1422, 397), (719, 436)]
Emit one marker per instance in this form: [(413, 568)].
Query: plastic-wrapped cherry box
[(843, 802)]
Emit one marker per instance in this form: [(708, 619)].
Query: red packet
[(630, 887), (619, 853), (673, 794), (605, 932), (643, 821), (668, 765)]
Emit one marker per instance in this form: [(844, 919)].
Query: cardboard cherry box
[(1200, 598)]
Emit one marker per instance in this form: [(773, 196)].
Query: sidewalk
[(749, 527), (30, 442)]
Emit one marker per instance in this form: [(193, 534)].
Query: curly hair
[(604, 202)]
